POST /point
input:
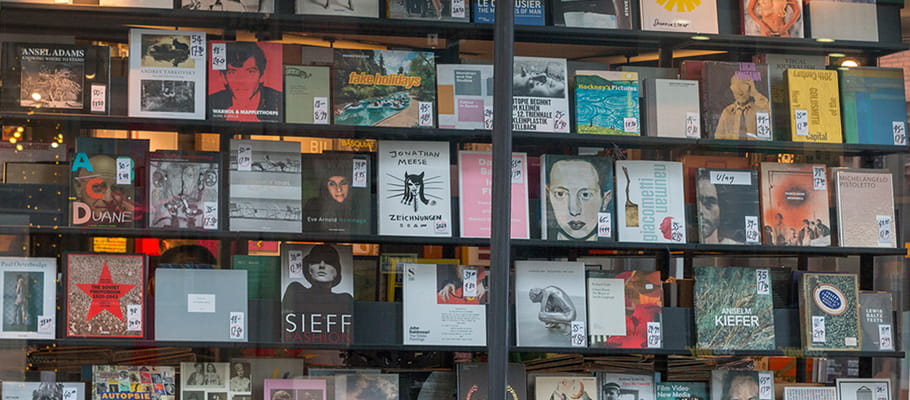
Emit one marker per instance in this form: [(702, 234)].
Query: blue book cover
[(606, 103), (873, 106), (527, 12)]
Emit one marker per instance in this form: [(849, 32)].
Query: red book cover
[(105, 295), (245, 81), (794, 205)]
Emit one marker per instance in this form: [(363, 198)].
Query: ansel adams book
[(108, 178), (794, 204), (579, 198), (336, 193), (475, 194), (445, 305), (265, 186), (105, 295), (540, 95), (550, 308), (167, 74), (317, 302), (649, 202), (414, 190), (733, 308), (184, 190), (865, 208), (29, 298), (245, 81), (464, 96), (829, 312)]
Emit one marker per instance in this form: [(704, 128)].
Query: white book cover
[(445, 305), (575, 387), (649, 201), (679, 16), (43, 390), (672, 108), (550, 308), (540, 95), (137, 3), (810, 393), (214, 381), (844, 19), (414, 189), (464, 95), (265, 194), (167, 74), (350, 8), (627, 386), (606, 302), (863, 388), (201, 305), (29, 297)]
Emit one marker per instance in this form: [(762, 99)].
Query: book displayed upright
[(733, 308), (565, 387), (201, 305), (529, 13), (778, 64), (735, 101), (336, 193), (844, 19), (634, 317), (265, 192), (540, 95), (258, 370), (135, 382), (864, 200), (184, 190), (166, 4), (366, 386), (829, 312), (296, 389), (606, 103), (746, 384), (473, 380), (105, 295), (649, 201), (672, 108), (873, 105), (448, 10), (475, 194), (249, 6), (317, 302), (307, 96), (108, 178), (414, 190), (773, 19), (245, 81), (444, 305), (682, 391), (602, 14), (464, 96), (578, 204), (167, 74), (794, 205), (213, 381), (620, 385), (43, 390), (814, 105), (350, 8), (694, 17), (29, 298), (876, 311), (550, 308), (728, 206), (863, 388)]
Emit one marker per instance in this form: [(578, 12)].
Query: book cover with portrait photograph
[(728, 206), (215, 381), (29, 297), (337, 194), (317, 303), (742, 384), (246, 81), (735, 101)]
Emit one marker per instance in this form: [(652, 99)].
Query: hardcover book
[(773, 19), (778, 64), (873, 105), (728, 207), (445, 305), (56, 78), (29, 298), (414, 190), (876, 320), (473, 381), (135, 382), (464, 96), (550, 304), (262, 275), (639, 295), (427, 385), (475, 194), (633, 386), (105, 295), (214, 381), (744, 384), (448, 10), (35, 204), (337, 191), (184, 190), (245, 81), (651, 196), (682, 391), (540, 97), (735, 101), (367, 386), (693, 162), (350, 8), (733, 308), (531, 12), (672, 108), (249, 6), (679, 16), (844, 19), (384, 88), (794, 204), (601, 14), (201, 305), (606, 103), (296, 389), (43, 390), (258, 370), (566, 387), (579, 197), (136, 3), (317, 302), (810, 393), (859, 389), (108, 178), (829, 312), (307, 96), (167, 74), (265, 193), (814, 106), (865, 208)]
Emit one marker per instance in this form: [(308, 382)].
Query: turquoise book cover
[(606, 103), (873, 106)]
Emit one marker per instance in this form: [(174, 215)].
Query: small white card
[(579, 335), (134, 317), (295, 264), (197, 46), (819, 180), (99, 98), (693, 125), (425, 113), (763, 125), (818, 329), (765, 386), (899, 132), (124, 170), (762, 282), (604, 224), (360, 173), (487, 117), (753, 234), (885, 340), (458, 9), (219, 57), (200, 303), (630, 125), (46, 324), (70, 393), (244, 157), (802, 122), (320, 110), (236, 322), (654, 335), (719, 177), (210, 215), (517, 177), (883, 222), (469, 283)]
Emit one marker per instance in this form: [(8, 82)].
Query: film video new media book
[(873, 105), (733, 308), (602, 14), (794, 205), (682, 391), (317, 302), (829, 312), (464, 94), (540, 95), (245, 81), (105, 295), (108, 178), (728, 206), (475, 194), (579, 197), (184, 190), (202, 305), (473, 381), (625, 309), (735, 100), (414, 189), (864, 200), (337, 193), (134, 382), (550, 304), (650, 195), (215, 381), (29, 297), (606, 103), (445, 305), (167, 74), (814, 100), (43, 390), (265, 192)]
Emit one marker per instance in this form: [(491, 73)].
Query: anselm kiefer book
[(317, 303), (108, 182)]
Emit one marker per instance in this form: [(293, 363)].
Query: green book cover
[(734, 308), (262, 275), (829, 312), (682, 391), (302, 87)]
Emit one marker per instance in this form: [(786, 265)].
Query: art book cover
[(745, 384), (414, 189), (265, 193), (865, 208), (350, 8), (814, 106), (859, 389), (844, 19), (427, 385), (777, 66), (673, 108), (601, 14), (632, 386), (735, 101), (693, 162), (877, 320), (550, 304), (634, 320), (296, 389), (682, 391), (651, 196), (464, 96), (829, 312), (43, 390), (579, 197), (873, 105), (728, 206), (214, 381), (136, 3), (475, 185), (307, 95), (105, 295), (679, 16), (337, 193), (606, 103), (445, 305), (167, 74), (245, 81), (772, 19), (29, 298), (317, 294), (367, 386), (473, 381), (540, 97), (448, 10), (108, 183), (113, 382), (257, 370), (249, 6), (794, 205), (184, 190), (56, 78), (201, 305), (384, 88), (531, 12), (810, 393), (566, 387), (733, 308)]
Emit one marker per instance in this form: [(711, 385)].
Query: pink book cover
[(475, 181), (294, 389)]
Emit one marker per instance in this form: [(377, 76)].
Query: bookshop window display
[(290, 200)]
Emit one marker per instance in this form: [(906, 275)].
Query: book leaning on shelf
[(105, 295), (108, 178), (167, 74), (245, 81)]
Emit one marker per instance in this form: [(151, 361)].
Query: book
[(261, 369), (772, 19), (262, 275), (619, 386), (777, 66), (682, 391), (317, 302), (63, 78), (877, 321), (167, 4), (384, 88), (579, 197), (828, 309), (651, 194), (814, 106), (167, 74), (214, 381), (43, 390), (35, 204), (540, 97), (734, 308), (250, 6), (844, 19), (464, 94), (606, 103), (366, 386), (108, 182), (810, 393), (475, 194), (693, 162), (873, 105), (527, 13), (295, 389), (445, 305), (473, 381), (265, 193), (735, 101), (307, 95), (550, 304), (864, 201), (742, 384), (414, 190), (695, 17), (29, 298), (794, 205), (337, 191), (601, 14), (351, 8), (200, 305), (449, 10), (634, 319), (672, 108), (565, 387), (245, 81), (113, 382), (728, 206), (184, 190), (105, 295), (427, 385), (863, 388)]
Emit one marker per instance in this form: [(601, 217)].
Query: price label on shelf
[(630, 125), (762, 281), (654, 335), (320, 110), (819, 180), (210, 215), (46, 324), (677, 231), (244, 157), (730, 177), (579, 334), (134, 317), (765, 386), (801, 119), (885, 340), (763, 125), (197, 46), (604, 225), (693, 125), (425, 113), (753, 233), (818, 329), (219, 57), (883, 222), (124, 170), (469, 283), (899, 131), (360, 173), (458, 9), (295, 264), (99, 98), (236, 326), (881, 393)]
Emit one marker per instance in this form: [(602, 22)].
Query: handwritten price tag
[(295, 264), (210, 215), (46, 324), (425, 113), (69, 393), (487, 117), (320, 110), (124, 170), (579, 334), (469, 283), (517, 168), (730, 177), (677, 234), (237, 330), (219, 57), (763, 125), (881, 393), (885, 341), (244, 157), (197, 45), (899, 131), (654, 335), (693, 125), (801, 119), (762, 282), (819, 180), (818, 329), (360, 172), (134, 317), (99, 98), (458, 9), (884, 229), (630, 125), (753, 234), (765, 386), (604, 224)]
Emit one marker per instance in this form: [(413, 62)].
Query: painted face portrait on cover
[(576, 192)]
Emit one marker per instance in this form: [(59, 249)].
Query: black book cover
[(473, 383), (337, 193)]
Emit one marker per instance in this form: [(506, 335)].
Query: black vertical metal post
[(498, 317)]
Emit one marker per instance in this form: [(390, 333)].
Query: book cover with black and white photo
[(444, 305), (248, 6), (728, 207), (540, 95), (744, 384), (317, 294), (214, 381), (43, 390), (184, 190), (29, 297), (167, 74), (265, 192), (621, 386), (550, 304), (601, 14), (414, 190)]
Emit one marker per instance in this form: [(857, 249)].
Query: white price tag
[(360, 173), (517, 167), (753, 234), (693, 125), (604, 225), (765, 386), (899, 131), (320, 110), (458, 9), (124, 170), (630, 125), (469, 283), (818, 329), (69, 393), (210, 215), (654, 335), (46, 324), (244, 157), (677, 231), (99, 98), (762, 282), (200, 303), (719, 177), (850, 341), (885, 340), (881, 393), (134, 317), (295, 264), (237, 331), (579, 334), (197, 46), (801, 118), (884, 229), (819, 180), (487, 117), (219, 57), (763, 125), (425, 113)]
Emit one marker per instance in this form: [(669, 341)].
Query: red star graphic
[(105, 294)]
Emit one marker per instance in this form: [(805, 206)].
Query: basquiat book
[(728, 206), (864, 200), (307, 96), (134, 381), (649, 198), (336, 191), (637, 322), (606, 103), (105, 295), (167, 74), (829, 312), (183, 190), (549, 302), (814, 106), (414, 189), (735, 101), (29, 297), (794, 204), (245, 81), (464, 96), (108, 178), (603, 14), (264, 186), (733, 308), (873, 105), (317, 303), (579, 197), (540, 96), (475, 194), (445, 305), (772, 19)]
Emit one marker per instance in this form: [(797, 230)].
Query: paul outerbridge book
[(29, 298)]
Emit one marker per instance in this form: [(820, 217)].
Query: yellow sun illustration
[(679, 5)]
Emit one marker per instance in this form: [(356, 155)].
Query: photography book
[(29, 298), (184, 190), (794, 205), (107, 183), (317, 287), (735, 101), (550, 308), (265, 193), (728, 206), (337, 194), (245, 81), (201, 305), (167, 74), (105, 295)]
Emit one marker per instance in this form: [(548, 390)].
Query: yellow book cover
[(815, 114)]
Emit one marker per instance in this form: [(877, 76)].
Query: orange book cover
[(794, 205)]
